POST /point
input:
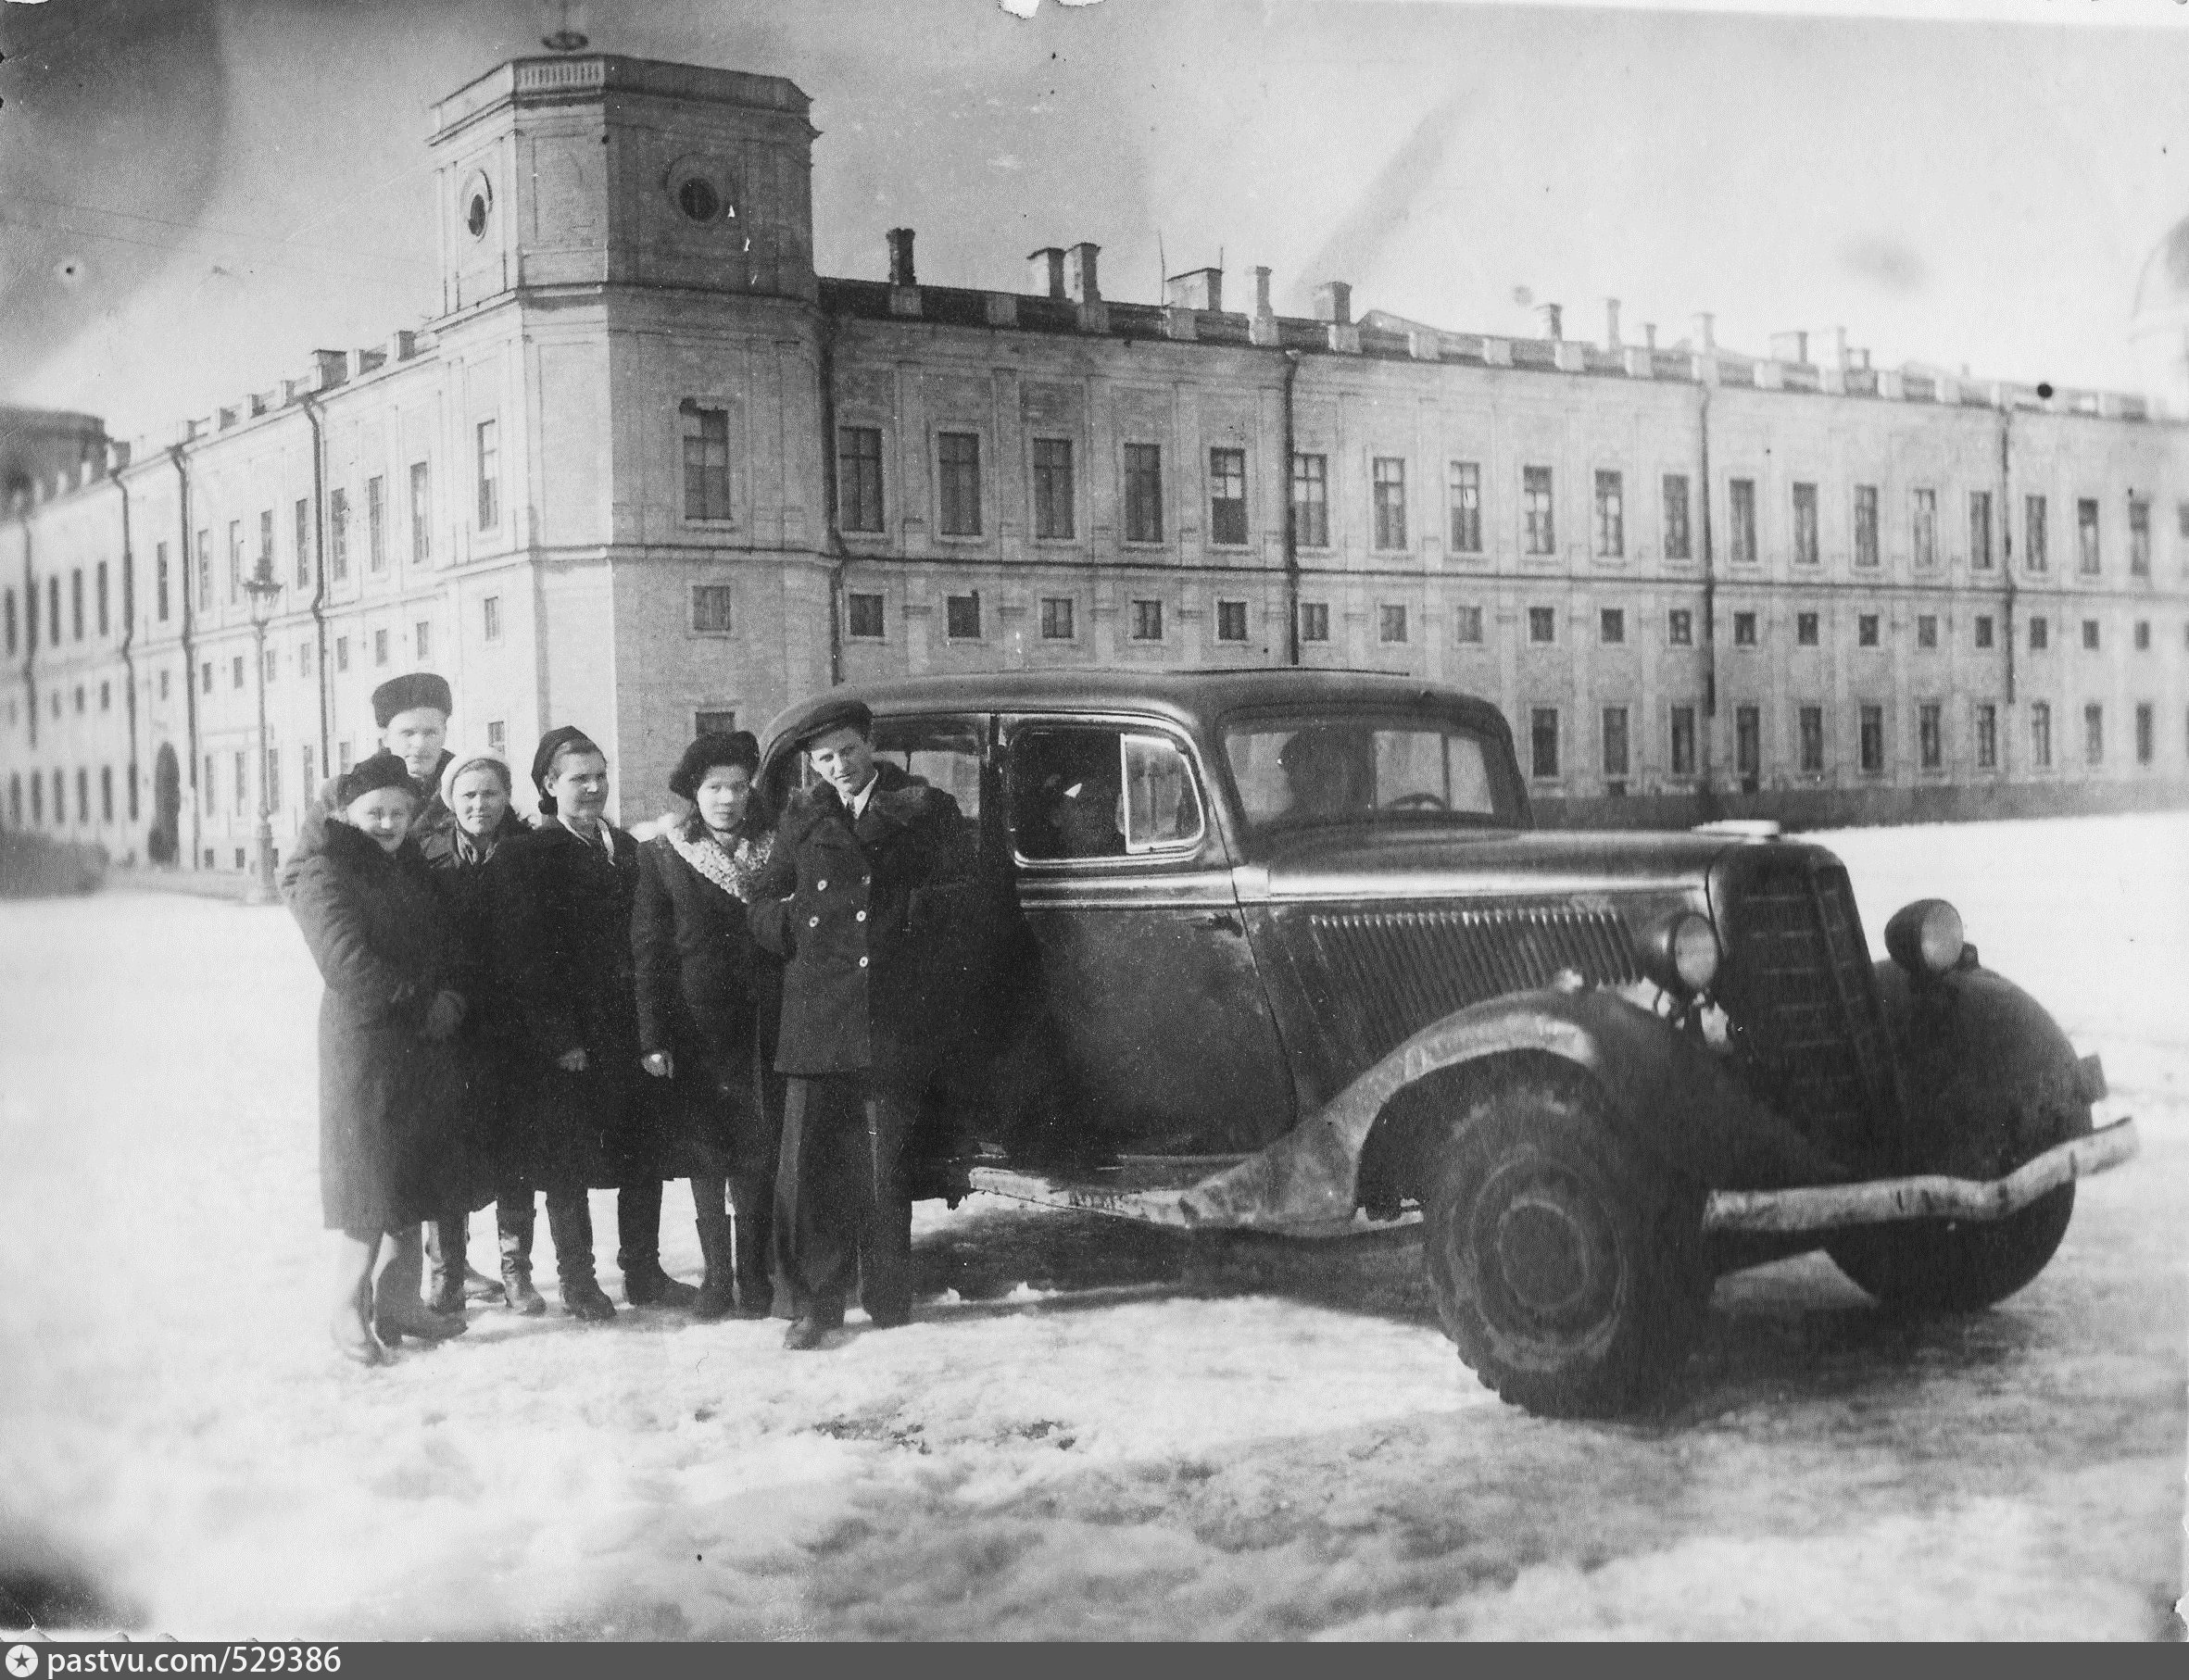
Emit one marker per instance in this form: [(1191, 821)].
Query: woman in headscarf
[(475, 789), (706, 997), (561, 906), (388, 1081)]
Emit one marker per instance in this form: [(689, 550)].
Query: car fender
[(1663, 1090)]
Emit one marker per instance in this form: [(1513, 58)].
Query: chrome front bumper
[(1883, 1201)]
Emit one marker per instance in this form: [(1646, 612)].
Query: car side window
[(1085, 790)]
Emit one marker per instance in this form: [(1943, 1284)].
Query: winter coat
[(861, 914), (390, 1150), (708, 996), (559, 920)]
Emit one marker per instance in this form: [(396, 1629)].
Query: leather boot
[(752, 1206), (396, 1310), (638, 1250), (570, 1225), (513, 1229), (717, 1288), (446, 1238)]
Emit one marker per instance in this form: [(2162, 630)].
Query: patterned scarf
[(732, 869)]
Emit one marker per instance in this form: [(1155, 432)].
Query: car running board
[(1155, 1205)]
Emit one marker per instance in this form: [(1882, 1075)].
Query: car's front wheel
[(1566, 1265)]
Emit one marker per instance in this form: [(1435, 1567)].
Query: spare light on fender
[(1680, 953), (1925, 938)]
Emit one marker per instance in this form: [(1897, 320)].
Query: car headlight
[(1925, 937), (1680, 953)]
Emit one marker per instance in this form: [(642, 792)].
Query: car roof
[(1187, 696)]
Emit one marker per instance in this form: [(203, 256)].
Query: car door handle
[(1220, 922)]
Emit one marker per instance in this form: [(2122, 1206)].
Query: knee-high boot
[(752, 1206), (447, 1235), (569, 1226), (513, 1228), (639, 1248)]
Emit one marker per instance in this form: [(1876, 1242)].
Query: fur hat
[(710, 752), (409, 691)]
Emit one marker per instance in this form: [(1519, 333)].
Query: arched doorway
[(166, 806)]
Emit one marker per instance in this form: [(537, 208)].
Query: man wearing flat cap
[(847, 899)]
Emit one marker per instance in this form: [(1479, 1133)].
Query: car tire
[(1568, 1266), (1943, 1265)]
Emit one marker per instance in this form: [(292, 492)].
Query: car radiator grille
[(1798, 989), (1394, 972)]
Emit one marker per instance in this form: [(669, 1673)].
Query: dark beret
[(542, 761), (846, 713), (413, 689), (382, 770), (709, 751)]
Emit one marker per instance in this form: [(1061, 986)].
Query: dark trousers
[(842, 1207)]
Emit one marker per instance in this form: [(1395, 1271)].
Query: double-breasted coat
[(708, 996), (859, 912), (390, 1148), (560, 914)]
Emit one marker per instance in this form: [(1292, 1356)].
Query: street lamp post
[(263, 588)]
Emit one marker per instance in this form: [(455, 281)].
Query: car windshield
[(1293, 772)]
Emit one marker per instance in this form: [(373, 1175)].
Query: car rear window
[(1306, 770)]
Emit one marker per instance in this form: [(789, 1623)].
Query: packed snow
[(1091, 1429)]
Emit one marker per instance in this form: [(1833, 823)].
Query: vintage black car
[(1280, 950)]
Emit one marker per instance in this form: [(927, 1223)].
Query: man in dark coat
[(853, 883)]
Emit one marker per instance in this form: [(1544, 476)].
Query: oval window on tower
[(478, 205), (700, 188), (699, 200)]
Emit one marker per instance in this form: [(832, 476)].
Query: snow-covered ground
[(1086, 1431)]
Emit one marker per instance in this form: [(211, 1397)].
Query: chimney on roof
[(1333, 303), (333, 367), (1195, 289), (1649, 334), (1261, 292), (900, 257), (1706, 333), (1045, 269), (1553, 321), (1081, 283), (1611, 323), (1791, 347)]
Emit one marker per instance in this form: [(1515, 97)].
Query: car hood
[(1416, 864)]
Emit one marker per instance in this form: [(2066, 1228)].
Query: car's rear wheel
[(1566, 1265)]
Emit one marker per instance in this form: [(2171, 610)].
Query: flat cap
[(846, 713), (413, 689)]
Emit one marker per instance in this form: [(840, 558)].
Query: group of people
[(519, 1010)]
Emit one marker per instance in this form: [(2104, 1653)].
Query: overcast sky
[(199, 192)]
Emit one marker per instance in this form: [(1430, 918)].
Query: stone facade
[(646, 469)]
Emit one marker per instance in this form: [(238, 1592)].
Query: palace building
[(646, 473)]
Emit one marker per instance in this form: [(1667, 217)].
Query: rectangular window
[(423, 633), (705, 437), (273, 664), (163, 684), (2040, 734), (1315, 622), (1615, 742), (2090, 635), (204, 678), (1928, 744), (160, 587), (1231, 621), (858, 478), (1228, 497), (100, 594), (1147, 621), (956, 458), (2094, 734), (865, 612), (243, 782), (1984, 630), (301, 513), (1056, 619), (1542, 740), (305, 766), (1611, 625), (1466, 625), (1866, 524), (1680, 627), (1683, 740), (1390, 623), (1311, 500), (1872, 737), (1922, 526), (1543, 624), (1804, 629), (2039, 635), (714, 722), (235, 560), (2182, 519), (265, 566), (338, 534), (376, 525), (343, 759), (1741, 521), (2086, 537), (962, 616), (304, 658), (1611, 515), (1748, 733), (2034, 525), (1535, 501), (498, 736), (421, 513), (235, 675), (1744, 630), (273, 778), (712, 605), (212, 799), (1979, 530), (1389, 473), (490, 618), (487, 434), (341, 653), (1678, 545), (205, 571), (106, 792), (1866, 630), (1926, 630), (1053, 490), (11, 625), (380, 648), (2139, 537), (1464, 480), (1811, 718), (2143, 635), (2144, 733), (1143, 492), (1987, 737), (1804, 524)]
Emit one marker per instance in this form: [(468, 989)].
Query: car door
[(1163, 1035)]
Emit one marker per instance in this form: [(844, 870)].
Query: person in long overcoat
[(475, 790), (847, 901), (707, 994), (389, 1084), (560, 899)]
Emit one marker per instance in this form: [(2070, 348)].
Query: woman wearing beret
[(475, 789), (388, 1081), (707, 1002), (560, 903)]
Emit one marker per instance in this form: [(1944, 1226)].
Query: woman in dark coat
[(475, 788), (706, 996), (560, 900), (388, 1079)]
